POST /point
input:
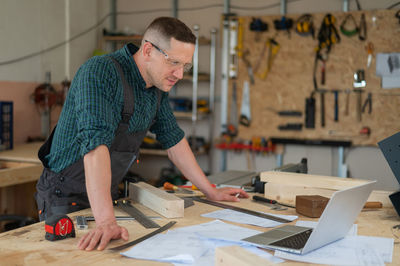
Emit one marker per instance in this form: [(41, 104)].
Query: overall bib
[(65, 192)]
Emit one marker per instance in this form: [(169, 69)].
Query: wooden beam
[(238, 256), (286, 193), (316, 181), (168, 205), (15, 173)]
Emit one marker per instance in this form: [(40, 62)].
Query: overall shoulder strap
[(128, 94)]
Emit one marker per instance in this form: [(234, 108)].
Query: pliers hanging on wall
[(368, 102)]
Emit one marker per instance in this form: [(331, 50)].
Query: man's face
[(167, 66)]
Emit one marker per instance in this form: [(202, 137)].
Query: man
[(113, 101)]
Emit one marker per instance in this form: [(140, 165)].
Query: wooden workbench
[(27, 246), (20, 168)]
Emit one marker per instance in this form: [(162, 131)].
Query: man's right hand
[(101, 236)]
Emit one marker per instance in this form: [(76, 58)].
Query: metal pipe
[(196, 29), (67, 37), (113, 21), (345, 5), (175, 8), (341, 166), (211, 97), (227, 4), (283, 7), (212, 68)]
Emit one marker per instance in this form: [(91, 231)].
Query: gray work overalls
[(65, 192)]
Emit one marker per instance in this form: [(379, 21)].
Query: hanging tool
[(327, 37), (291, 126), (305, 25), (358, 104), (336, 106), (310, 112), (368, 102), (258, 26), (248, 65), (370, 51), (240, 29), (283, 24), (322, 98), (273, 49), (232, 128), (59, 226), (358, 84), (233, 47), (137, 241), (362, 33), (359, 79), (344, 28), (346, 111), (245, 112), (250, 212), (169, 186), (286, 112), (362, 29), (127, 207)]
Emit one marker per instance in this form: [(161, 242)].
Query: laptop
[(334, 224)]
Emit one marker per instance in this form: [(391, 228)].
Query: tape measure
[(58, 227)]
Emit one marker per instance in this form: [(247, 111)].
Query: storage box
[(311, 205), (6, 125)]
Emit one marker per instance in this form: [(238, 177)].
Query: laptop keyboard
[(297, 241)]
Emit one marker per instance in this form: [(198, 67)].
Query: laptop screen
[(390, 148)]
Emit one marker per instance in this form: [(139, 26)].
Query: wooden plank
[(238, 256), (19, 173), (166, 204), (316, 181), (27, 152), (286, 193)]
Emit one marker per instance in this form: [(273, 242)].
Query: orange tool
[(370, 50), (169, 186)]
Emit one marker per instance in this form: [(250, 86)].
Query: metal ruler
[(254, 213), (134, 242), (138, 215)]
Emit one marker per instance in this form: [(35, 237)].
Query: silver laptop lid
[(338, 216)]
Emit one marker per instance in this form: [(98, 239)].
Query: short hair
[(167, 28)]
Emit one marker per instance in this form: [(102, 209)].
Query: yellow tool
[(370, 50), (273, 49), (240, 38)]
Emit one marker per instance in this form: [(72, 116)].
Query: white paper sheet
[(351, 250), (194, 245), (243, 218)]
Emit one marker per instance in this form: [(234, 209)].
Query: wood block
[(166, 204), (311, 205), (238, 256)]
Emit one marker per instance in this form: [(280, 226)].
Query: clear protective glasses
[(170, 61)]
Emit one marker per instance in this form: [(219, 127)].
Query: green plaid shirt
[(92, 110)]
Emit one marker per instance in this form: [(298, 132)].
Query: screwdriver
[(169, 186), (271, 201)]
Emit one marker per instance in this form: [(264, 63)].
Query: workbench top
[(27, 246), (27, 152)]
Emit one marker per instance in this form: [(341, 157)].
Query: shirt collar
[(130, 49)]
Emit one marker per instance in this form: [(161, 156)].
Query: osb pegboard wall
[(290, 81)]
